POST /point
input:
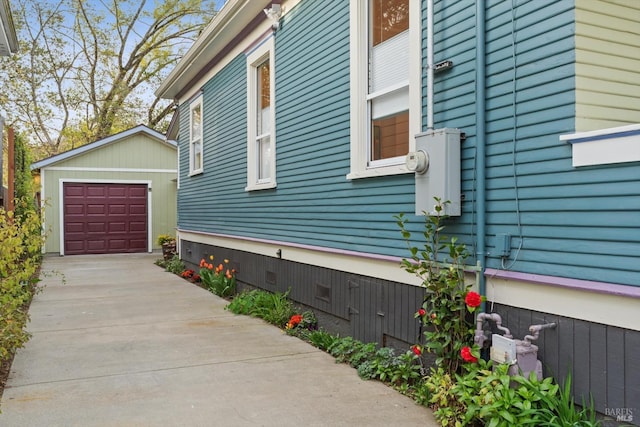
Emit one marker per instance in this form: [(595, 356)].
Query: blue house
[(294, 126)]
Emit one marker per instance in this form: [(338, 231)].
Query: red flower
[(467, 356), (416, 350), (295, 319), (195, 278), (473, 299), (422, 312)]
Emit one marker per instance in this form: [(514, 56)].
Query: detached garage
[(110, 196)]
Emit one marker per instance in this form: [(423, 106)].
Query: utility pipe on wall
[(480, 144)]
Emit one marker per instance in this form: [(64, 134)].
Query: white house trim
[(134, 170), (358, 42), (605, 146), (149, 184)]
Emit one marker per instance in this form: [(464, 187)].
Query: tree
[(88, 69)]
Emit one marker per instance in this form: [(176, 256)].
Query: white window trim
[(194, 104), (360, 133), (265, 49)]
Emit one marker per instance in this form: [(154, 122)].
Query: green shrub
[(274, 308), (321, 339), (174, 265), (351, 351), (447, 328), (20, 258)]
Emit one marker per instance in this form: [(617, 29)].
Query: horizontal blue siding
[(313, 203), (580, 223)]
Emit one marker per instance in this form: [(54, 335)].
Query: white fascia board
[(229, 22), (102, 142)]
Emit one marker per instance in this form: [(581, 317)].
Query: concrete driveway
[(123, 343)]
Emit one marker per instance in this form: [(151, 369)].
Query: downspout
[(430, 65), (480, 144)]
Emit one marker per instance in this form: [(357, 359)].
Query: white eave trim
[(8, 35), (222, 29), (102, 142), (605, 146)]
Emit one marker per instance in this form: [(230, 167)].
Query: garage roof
[(100, 143)]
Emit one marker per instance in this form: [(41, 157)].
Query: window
[(195, 137), (261, 117), (385, 85)]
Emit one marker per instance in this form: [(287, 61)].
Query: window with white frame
[(385, 85), (195, 137), (261, 141)]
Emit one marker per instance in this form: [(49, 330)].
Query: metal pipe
[(480, 144), (535, 332), (479, 336), (429, 64)]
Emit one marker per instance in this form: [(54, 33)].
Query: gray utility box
[(436, 163)]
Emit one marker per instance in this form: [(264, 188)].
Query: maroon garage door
[(104, 218)]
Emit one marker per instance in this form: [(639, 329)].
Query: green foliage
[(351, 351), (120, 54), (219, 281), (447, 409), (321, 339), (165, 238), (400, 371), (24, 185), (274, 308), (439, 263), (19, 262), (487, 395), (174, 265), (562, 411)]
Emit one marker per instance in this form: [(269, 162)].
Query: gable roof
[(231, 24), (101, 143), (8, 38)]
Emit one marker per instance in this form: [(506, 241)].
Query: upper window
[(385, 65), (261, 140), (195, 137)]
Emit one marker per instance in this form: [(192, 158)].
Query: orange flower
[(202, 263), (210, 266), (220, 267), (295, 319), (229, 276)]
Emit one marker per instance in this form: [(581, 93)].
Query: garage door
[(104, 218)]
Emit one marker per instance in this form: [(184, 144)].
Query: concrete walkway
[(123, 343)]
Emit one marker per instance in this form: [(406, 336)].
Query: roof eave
[(223, 28), (100, 143)]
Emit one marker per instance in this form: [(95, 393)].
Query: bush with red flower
[(445, 312), (187, 274), (306, 321)]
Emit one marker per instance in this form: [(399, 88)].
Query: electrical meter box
[(436, 163)]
